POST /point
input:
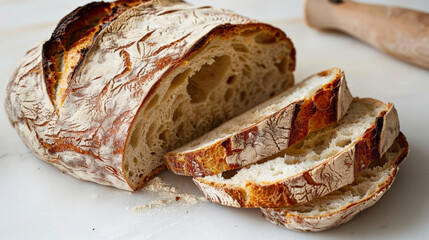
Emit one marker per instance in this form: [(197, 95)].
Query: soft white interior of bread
[(303, 90), (318, 147), (220, 81), (366, 184)]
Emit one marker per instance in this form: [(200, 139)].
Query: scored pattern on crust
[(269, 136), (323, 179), (318, 181), (261, 141), (71, 39), (328, 220), (121, 69)]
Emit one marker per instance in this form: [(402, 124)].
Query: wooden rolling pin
[(400, 32)]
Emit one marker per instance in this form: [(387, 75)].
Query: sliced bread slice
[(323, 162), (266, 129), (343, 204)]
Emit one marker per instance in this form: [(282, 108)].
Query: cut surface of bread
[(226, 77), (266, 129), (343, 204), (323, 162), (119, 84)]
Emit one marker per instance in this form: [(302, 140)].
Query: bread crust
[(269, 136), (72, 38), (118, 69), (323, 222), (318, 181)]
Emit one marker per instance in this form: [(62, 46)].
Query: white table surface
[(39, 202)]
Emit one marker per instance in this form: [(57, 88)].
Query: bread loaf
[(323, 162), (343, 204), (266, 129), (119, 84)]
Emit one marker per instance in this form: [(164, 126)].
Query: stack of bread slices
[(311, 157)]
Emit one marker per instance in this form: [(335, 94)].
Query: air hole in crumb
[(281, 66), (149, 135), (179, 79), (207, 78), (261, 65), (343, 143), (178, 112), (272, 94), (228, 94), (163, 136), (126, 166), (181, 132), (152, 102), (231, 79), (265, 38), (141, 175), (134, 138), (247, 71), (135, 160), (320, 143), (269, 77), (320, 146), (153, 153), (249, 33), (240, 47), (242, 96)]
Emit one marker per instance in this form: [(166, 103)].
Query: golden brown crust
[(308, 115), (71, 39), (332, 174), (329, 220)]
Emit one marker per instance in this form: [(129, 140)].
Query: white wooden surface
[(39, 202)]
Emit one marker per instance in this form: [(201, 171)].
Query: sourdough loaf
[(266, 129), (325, 161), (119, 84), (343, 204)]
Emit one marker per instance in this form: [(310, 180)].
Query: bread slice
[(325, 161), (343, 204), (121, 83), (266, 129)]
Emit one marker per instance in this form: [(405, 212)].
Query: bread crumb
[(155, 204), (167, 194)]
